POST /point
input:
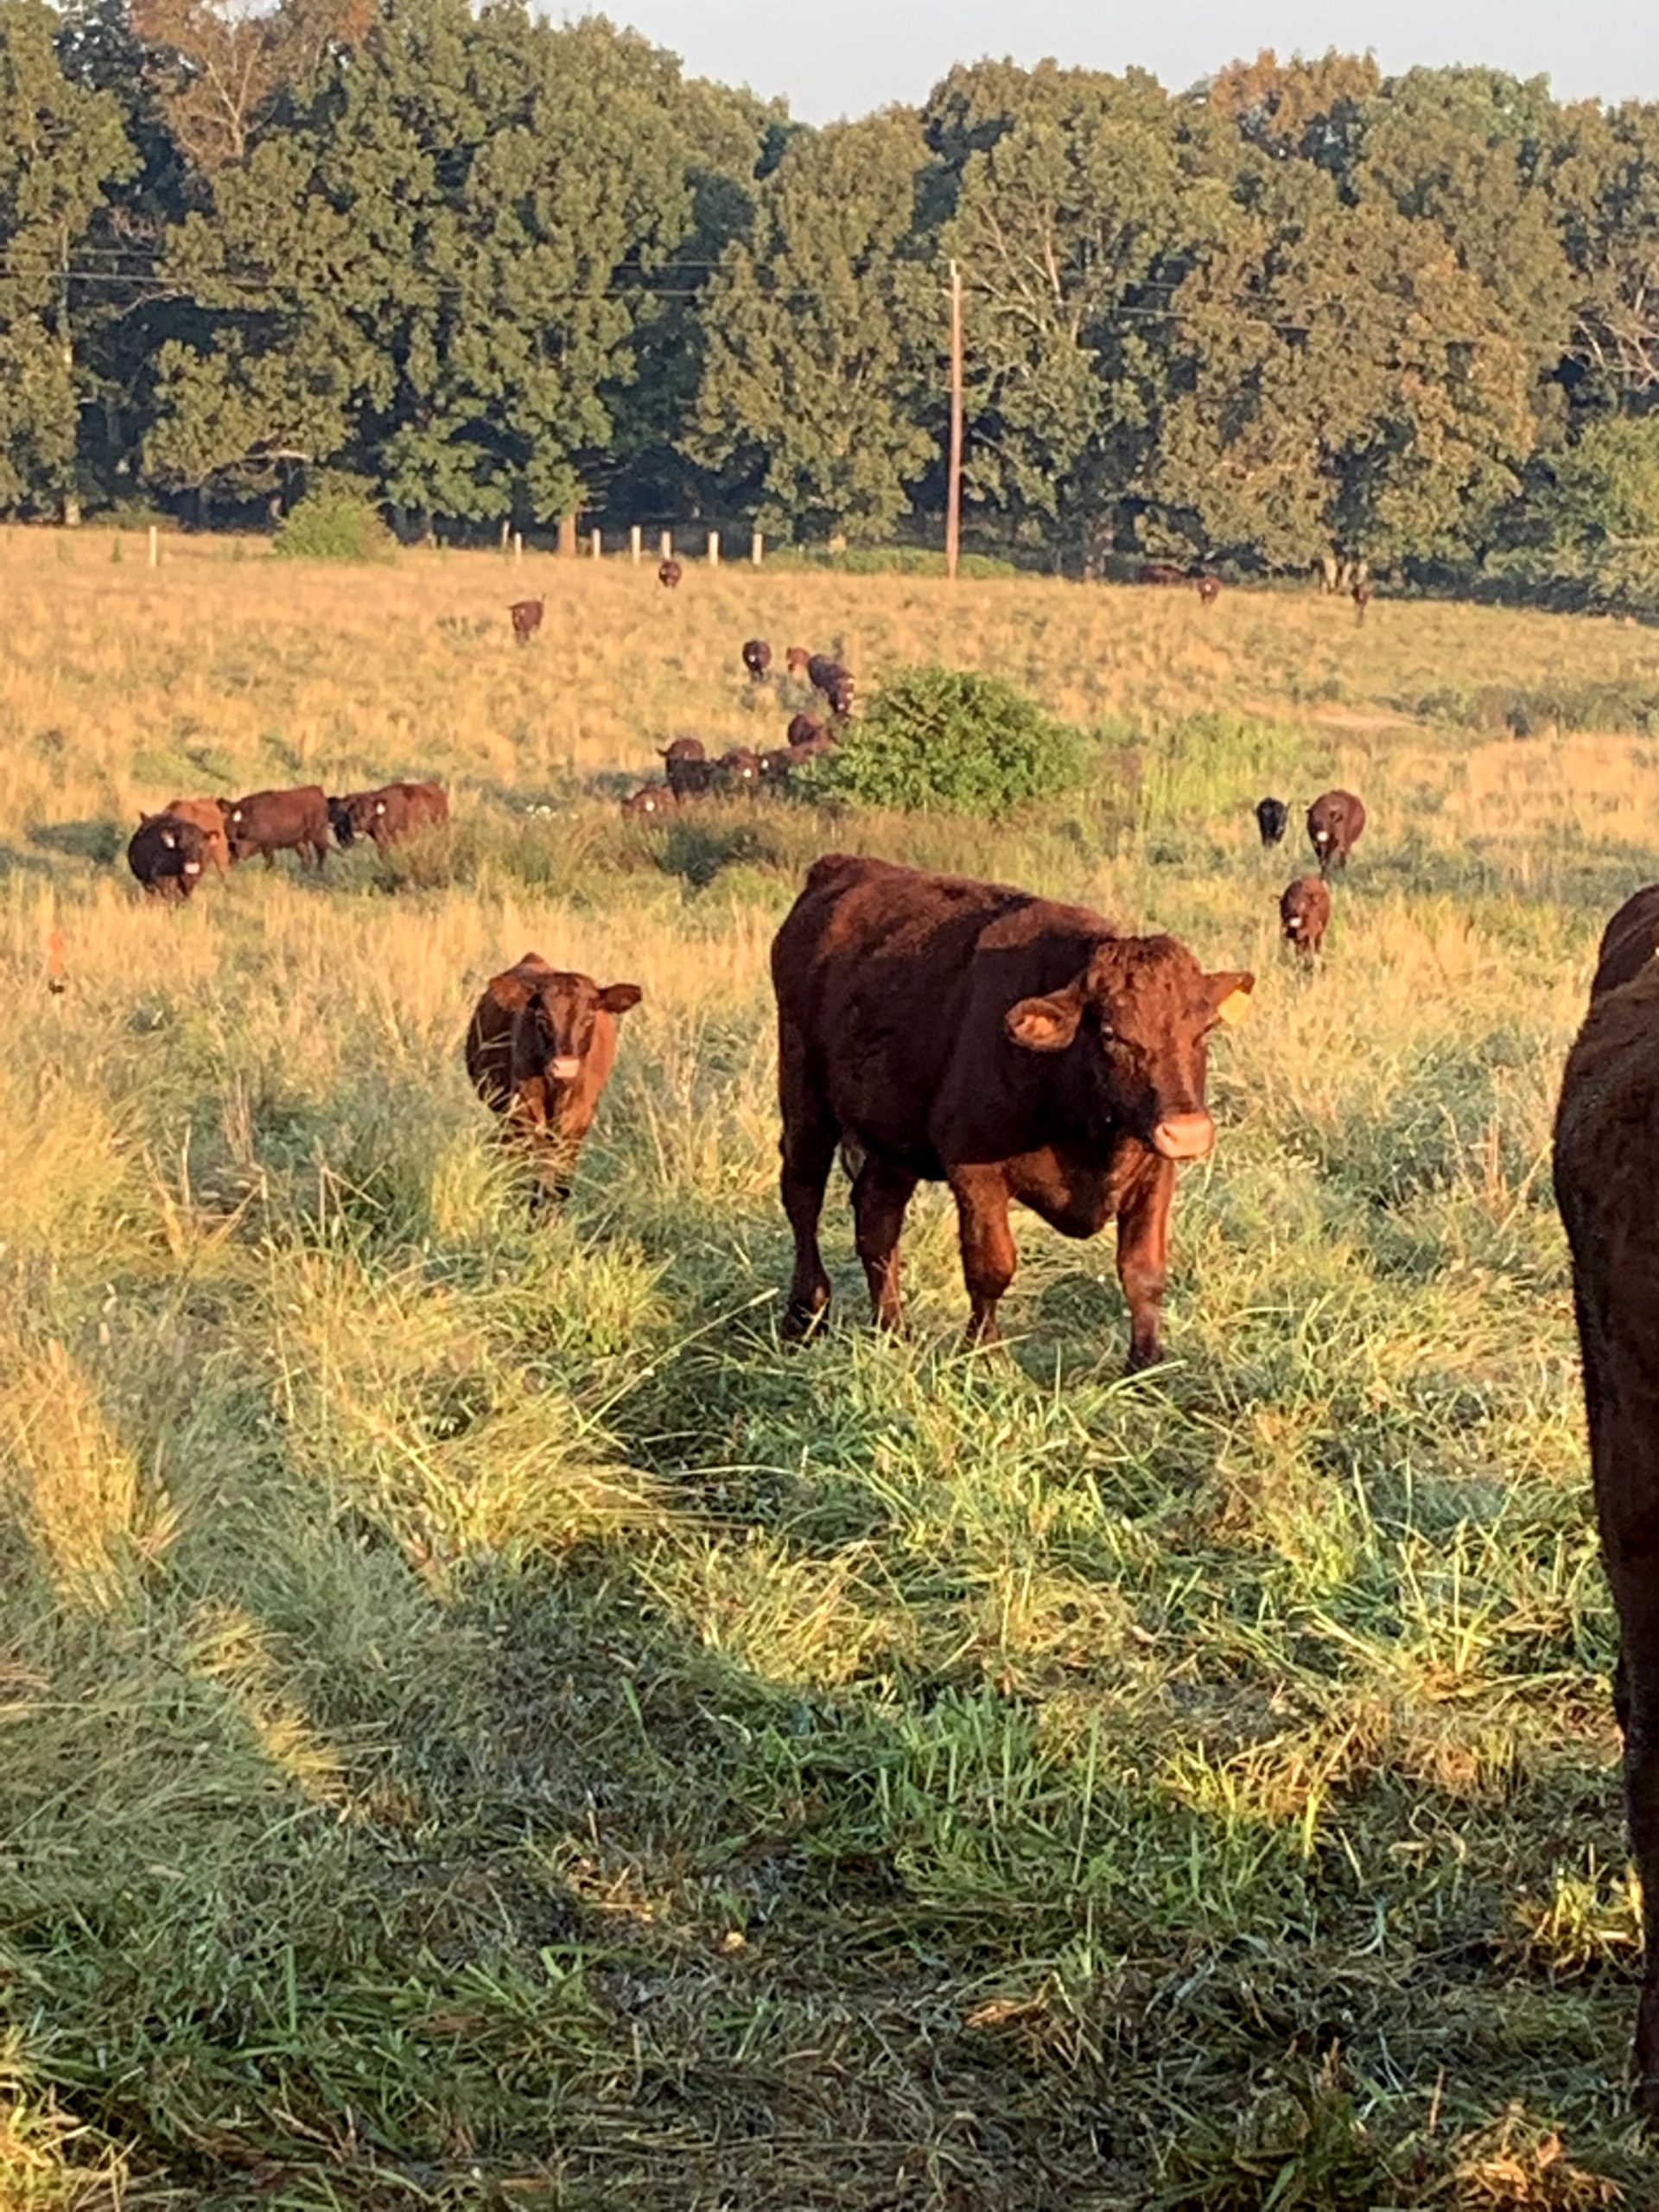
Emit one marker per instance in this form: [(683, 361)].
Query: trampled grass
[(483, 1725)]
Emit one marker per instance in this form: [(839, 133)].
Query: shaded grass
[(483, 1722)]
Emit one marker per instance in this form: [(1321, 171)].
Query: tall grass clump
[(333, 524), (948, 737)]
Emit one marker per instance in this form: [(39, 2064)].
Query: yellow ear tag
[(1234, 1006)]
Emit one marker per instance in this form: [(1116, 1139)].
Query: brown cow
[(526, 617), (757, 658), (828, 676), (688, 768), (1334, 822), (650, 800), (1305, 914), (1209, 590), (797, 660), (803, 728), (1011, 1047), (1629, 943), (209, 815), (1161, 572), (540, 1048), (1362, 597), (166, 855), (389, 815), (274, 822), (669, 574), (1607, 1187), (738, 770)]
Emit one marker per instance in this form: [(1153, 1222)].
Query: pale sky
[(850, 57)]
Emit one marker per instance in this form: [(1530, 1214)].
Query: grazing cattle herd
[(934, 1028)]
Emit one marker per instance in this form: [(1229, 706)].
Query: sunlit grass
[(483, 1722)]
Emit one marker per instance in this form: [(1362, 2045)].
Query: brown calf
[(669, 574), (688, 768), (650, 800), (1305, 914), (1362, 598), (757, 658), (274, 822), (738, 770), (526, 617), (390, 814), (209, 815), (1607, 1187), (797, 660), (1209, 590), (1013, 1048), (540, 1048), (1334, 822)]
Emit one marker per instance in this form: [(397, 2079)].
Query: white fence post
[(713, 549), (636, 543), (757, 546), (594, 541), (155, 545), (665, 546)]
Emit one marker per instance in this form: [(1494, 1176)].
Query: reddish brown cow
[(1011, 1047), (540, 1049), (166, 855), (1305, 914), (803, 728), (1208, 589), (1334, 822), (390, 814), (688, 768), (1362, 598), (209, 815), (757, 658), (274, 822), (669, 574), (649, 800), (828, 676), (797, 660), (738, 770), (526, 617), (1629, 943), (1606, 1166)]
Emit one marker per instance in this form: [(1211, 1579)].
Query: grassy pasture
[(481, 1725)]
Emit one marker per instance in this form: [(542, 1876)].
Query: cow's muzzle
[(565, 1069), (1184, 1136)]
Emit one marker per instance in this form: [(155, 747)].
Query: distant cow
[(669, 574), (1334, 822), (540, 1048), (1606, 1168), (738, 770), (1629, 943), (166, 855), (209, 815), (1209, 590), (1362, 597), (1013, 1048), (526, 617), (1305, 914), (274, 822), (390, 814), (1271, 816), (688, 768), (803, 728), (1161, 572), (840, 695), (797, 660), (826, 675), (757, 658), (818, 738), (650, 800)]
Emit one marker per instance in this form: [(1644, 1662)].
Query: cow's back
[(1629, 942), (890, 979)]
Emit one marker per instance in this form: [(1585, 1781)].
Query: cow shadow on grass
[(99, 840)]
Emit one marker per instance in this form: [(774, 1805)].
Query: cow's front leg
[(988, 1258), (1143, 1257)]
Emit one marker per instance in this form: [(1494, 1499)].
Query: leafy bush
[(333, 526), (944, 737)]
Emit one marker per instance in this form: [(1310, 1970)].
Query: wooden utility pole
[(953, 482)]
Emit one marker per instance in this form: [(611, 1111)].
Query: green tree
[(1601, 508), (1344, 386), (1605, 188), (824, 335), (62, 150)]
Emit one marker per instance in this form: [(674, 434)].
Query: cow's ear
[(1229, 994), (1046, 1024), (511, 992), (617, 998)]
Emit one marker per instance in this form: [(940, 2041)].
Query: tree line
[(501, 272)]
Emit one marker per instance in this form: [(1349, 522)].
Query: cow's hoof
[(801, 1324)]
